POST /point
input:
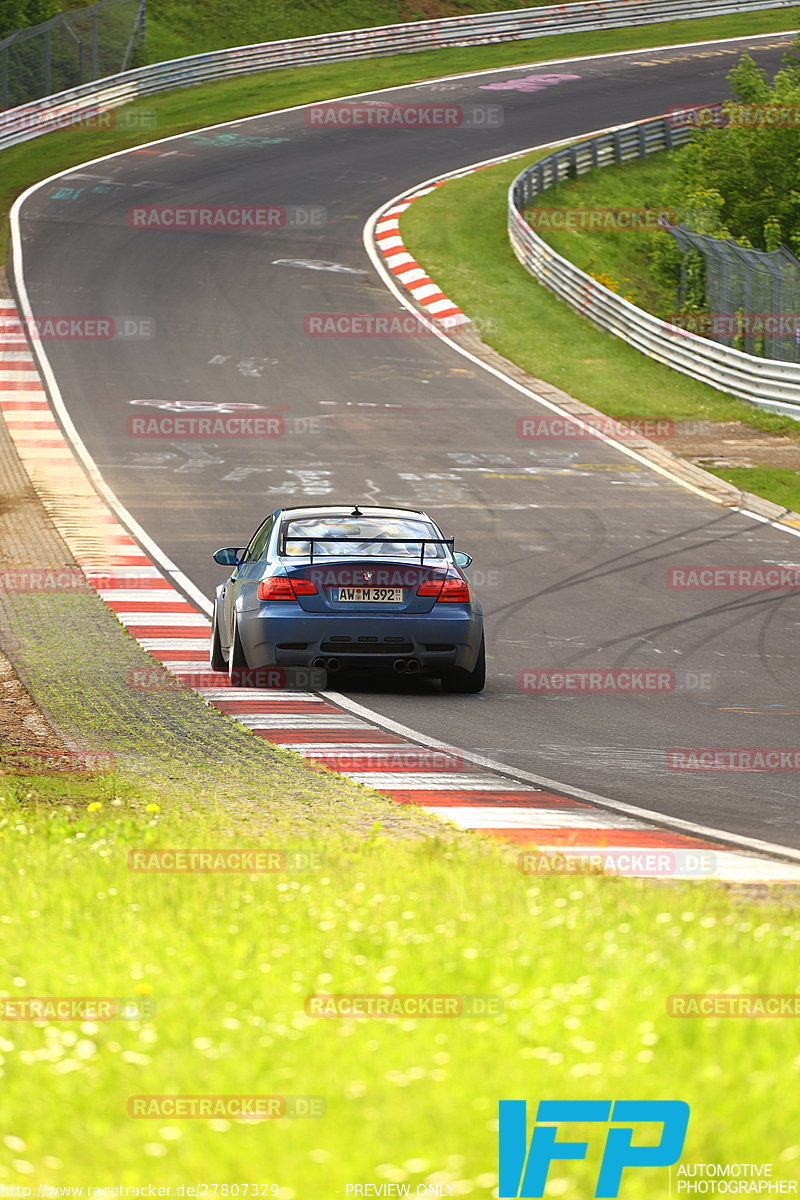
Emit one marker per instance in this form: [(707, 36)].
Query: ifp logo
[(524, 1169)]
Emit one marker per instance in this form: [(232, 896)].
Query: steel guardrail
[(53, 112), (766, 382)]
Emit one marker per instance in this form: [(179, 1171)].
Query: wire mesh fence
[(752, 296), (70, 49)]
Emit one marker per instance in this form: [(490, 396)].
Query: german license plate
[(366, 595)]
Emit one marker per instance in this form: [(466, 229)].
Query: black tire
[(238, 672), (216, 658), (463, 682)]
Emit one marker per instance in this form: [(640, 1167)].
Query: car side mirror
[(462, 559), (229, 556)]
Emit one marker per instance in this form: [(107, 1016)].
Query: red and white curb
[(387, 238), (407, 270), (176, 633)]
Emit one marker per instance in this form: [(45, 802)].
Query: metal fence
[(70, 49), (769, 384), (42, 116), (753, 296)]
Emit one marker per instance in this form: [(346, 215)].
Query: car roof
[(345, 510)]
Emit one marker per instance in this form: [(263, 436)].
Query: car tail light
[(455, 589), (452, 588), (282, 587), (431, 587)]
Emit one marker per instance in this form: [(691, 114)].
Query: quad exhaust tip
[(402, 666), (406, 666)]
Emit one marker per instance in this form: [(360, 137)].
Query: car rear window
[(360, 533)]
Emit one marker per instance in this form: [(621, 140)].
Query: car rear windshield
[(359, 534)]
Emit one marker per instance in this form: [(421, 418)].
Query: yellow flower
[(152, 808), (95, 806)]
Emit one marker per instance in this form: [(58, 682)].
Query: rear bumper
[(438, 641)]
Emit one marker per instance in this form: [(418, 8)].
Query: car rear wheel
[(238, 672), (216, 659), (466, 682)]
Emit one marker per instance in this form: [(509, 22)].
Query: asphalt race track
[(572, 540)]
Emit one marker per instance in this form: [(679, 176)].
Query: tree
[(750, 164), (20, 14)]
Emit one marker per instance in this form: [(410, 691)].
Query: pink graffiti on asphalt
[(527, 83)]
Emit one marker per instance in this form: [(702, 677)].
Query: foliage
[(18, 14), (740, 180)]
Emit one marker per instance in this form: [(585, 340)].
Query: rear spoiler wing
[(423, 542)]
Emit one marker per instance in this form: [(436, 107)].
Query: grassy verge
[(218, 23), (85, 673), (177, 27), (469, 255), (779, 484), (174, 28), (459, 233), (227, 961), (617, 256), (193, 108)]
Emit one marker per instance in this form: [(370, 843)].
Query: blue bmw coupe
[(344, 587)]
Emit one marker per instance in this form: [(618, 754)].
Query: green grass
[(81, 670), (459, 233), (778, 484), (605, 372), (617, 255), (193, 108), (583, 967), (183, 27), (469, 255), (179, 27)]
